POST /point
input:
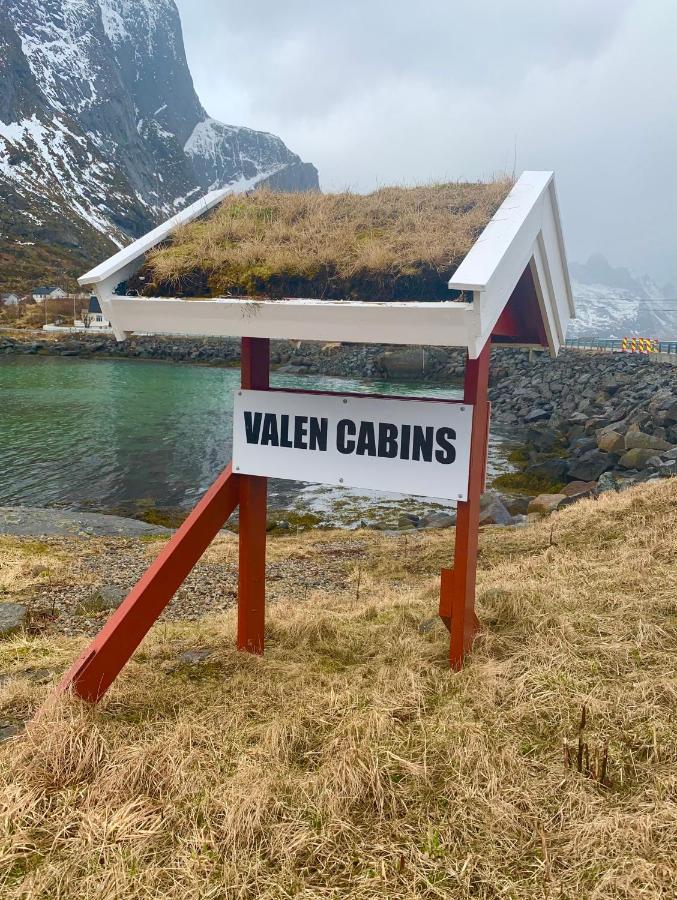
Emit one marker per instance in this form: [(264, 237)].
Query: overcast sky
[(384, 91)]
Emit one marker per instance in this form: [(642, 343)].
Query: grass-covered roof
[(395, 243)]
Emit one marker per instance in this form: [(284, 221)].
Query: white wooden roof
[(525, 233)]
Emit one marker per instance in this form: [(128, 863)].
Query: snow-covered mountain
[(613, 303), (102, 133)]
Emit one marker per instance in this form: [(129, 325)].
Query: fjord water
[(121, 435)]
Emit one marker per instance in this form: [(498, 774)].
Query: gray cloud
[(376, 92)]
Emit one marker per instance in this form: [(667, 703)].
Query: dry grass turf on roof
[(393, 244)]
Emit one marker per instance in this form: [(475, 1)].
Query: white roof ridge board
[(136, 251), (525, 232)]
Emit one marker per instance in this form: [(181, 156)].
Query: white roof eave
[(525, 227)]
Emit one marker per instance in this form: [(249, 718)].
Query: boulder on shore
[(636, 458), (536, 415), (590, 465), (550, 469), (542, 438), (583, 444), (638, 440), (408, 520), (578, 489), (437, 519), (606, 482), (518, 506), (611, 442), (406, 362), (493, 511), (546, 503)]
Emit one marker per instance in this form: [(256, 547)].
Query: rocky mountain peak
[(102, 133), (147, 40), (612, 302)]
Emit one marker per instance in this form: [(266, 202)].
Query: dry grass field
[(395, 243), (349, 761)]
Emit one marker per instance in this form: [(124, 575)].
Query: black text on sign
[(412, 447)]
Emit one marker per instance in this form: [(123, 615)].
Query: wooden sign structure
[(517, 276)]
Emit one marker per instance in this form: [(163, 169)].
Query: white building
[(48, 292), (91, 320), (92, 317)]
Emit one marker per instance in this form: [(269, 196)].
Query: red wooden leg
[(93, 673), (251, 601), (457, 591)]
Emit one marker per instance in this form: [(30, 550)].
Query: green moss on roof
[(395, 243)]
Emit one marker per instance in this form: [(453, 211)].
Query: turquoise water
[(121, 434)]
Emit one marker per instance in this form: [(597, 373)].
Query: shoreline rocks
[(611, 418), (287, 357)]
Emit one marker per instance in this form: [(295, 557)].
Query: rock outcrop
[(102, 133)]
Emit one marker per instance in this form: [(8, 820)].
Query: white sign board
[(418, 447)]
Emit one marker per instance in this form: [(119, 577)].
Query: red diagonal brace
[(92, 674)]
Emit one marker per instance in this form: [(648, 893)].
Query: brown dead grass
[(26, 564), (349, 761), (396, 243)]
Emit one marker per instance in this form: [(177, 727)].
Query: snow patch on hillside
[(55, 154), (207, 137), (13, 131), (613, 303), (599, 307), (59, 53), (113, 22), (147, 14), (240, 185)]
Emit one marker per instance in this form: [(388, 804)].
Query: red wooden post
[(251, 600), (457, 590), (93, 673)]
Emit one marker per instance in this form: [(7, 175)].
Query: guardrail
[(618, 346)]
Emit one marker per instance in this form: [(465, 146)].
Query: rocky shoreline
[(291, 357), (591, 422), (588, 422)]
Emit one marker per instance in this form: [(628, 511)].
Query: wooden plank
[(251, 600), (443, 324), (506, 239), (457, 593), (96, 669)]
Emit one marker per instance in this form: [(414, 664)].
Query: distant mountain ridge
[(613, 303), (102, 133)]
